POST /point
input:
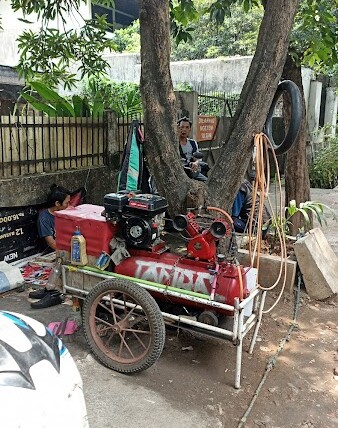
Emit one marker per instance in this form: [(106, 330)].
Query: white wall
[(221, 74), (307, 76), (12, 28)]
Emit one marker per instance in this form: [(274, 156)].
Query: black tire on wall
[(295, 120)]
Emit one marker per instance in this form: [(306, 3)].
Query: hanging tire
[(295, 120), (123, 326)]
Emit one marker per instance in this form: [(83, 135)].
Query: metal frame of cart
[(75, 282)]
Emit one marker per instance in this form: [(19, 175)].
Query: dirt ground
[(299, 392), (194, 376)]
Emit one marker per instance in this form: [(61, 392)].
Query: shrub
[(122, 97), (324, 170)]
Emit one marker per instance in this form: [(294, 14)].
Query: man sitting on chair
[(194, 166)]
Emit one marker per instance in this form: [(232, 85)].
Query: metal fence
[(123, 125), (217, 104), (32, 143)]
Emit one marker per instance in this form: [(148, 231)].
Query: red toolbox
[(96, 230)]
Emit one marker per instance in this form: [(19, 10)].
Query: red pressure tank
[(187, 274)]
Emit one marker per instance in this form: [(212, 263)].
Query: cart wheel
[(123, 326)]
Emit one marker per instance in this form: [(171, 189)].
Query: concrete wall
[(307, 76), (220, 74), (331, 108), (32, 190)]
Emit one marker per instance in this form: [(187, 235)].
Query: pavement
[(181, 389), (328, 197)]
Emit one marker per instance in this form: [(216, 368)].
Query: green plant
[(52, 51), (128, 39), (183, 87), (51, 103), (324, 170), (122, 97), (317, 209)]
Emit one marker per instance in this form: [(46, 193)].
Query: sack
[(10, 277)]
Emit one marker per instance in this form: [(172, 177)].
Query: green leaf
[(38, 105), (98, 106), (61, 104), (305, 214), (291, 209), (78, 106), (25, 21)]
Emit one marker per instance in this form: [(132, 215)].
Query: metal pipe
[(74, 290), (183, 320), (180, 319), (248, 299), (239, 351), (236, 314), (249, 324), (258, 322)]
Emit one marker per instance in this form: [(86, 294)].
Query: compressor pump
[(140, 219)]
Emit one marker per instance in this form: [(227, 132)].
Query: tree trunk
[(159, 105), (256, 97), (161, 140), (297, 183)]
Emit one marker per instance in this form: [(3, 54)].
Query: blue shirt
[(46, 224), (238, 204)]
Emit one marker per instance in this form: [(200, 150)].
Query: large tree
[(159, 101), (53, 48), (313, 43)]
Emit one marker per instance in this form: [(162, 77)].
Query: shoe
[(50, 299), (40, 293)]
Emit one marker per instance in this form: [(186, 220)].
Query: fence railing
[(123, 125), (32, 143), (217, 104)]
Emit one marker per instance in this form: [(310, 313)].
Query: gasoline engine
[(140, 216), (140, 221)]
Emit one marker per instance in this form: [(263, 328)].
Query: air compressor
[(139, 222)]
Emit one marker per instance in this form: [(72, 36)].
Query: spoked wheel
[(123, 326)]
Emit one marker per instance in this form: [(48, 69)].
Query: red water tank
[(93, 226)]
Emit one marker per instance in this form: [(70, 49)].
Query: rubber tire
[(154, 316), (295, 120)]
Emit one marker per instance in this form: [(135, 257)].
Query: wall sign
[(206, 128), (18, 233)]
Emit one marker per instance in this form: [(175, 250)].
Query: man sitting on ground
[(57, 199), (242, 207)]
